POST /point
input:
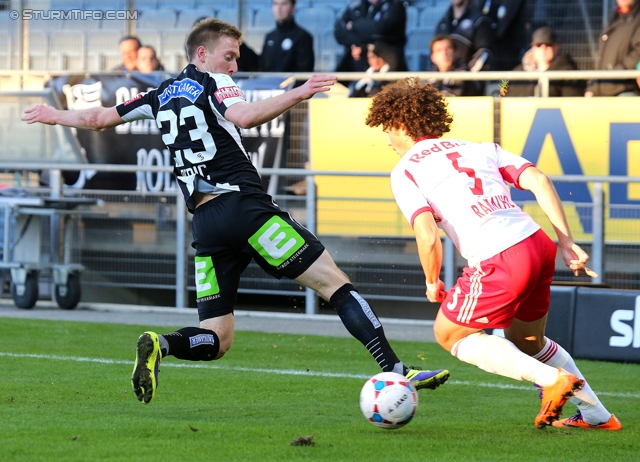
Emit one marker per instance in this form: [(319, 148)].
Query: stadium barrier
[(143, 243), (34, 79), (165, 216), (552, 133), (595, 323)]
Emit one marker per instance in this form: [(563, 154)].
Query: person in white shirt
[(463, 189)]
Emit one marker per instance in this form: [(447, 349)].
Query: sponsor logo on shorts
[(483, 320), (206, 280), (293, 257), (276, 241), (201, 339)]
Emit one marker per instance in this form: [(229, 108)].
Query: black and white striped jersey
[(206, 148)]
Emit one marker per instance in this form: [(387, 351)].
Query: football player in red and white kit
[(463, 189)]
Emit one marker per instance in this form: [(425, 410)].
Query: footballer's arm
[(430, 254), (95, 118), (547, 197), (541, 186), (248, 115)]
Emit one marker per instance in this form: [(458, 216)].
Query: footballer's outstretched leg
[(361, 321), (188, 343), (591, 412), (146, 367)]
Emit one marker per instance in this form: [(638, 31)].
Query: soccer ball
[(388, 400)]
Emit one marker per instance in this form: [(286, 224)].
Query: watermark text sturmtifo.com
[(56, 15)]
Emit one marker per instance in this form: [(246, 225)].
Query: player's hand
[(437, 294), (575, 258), (40, 113), (318, 83)]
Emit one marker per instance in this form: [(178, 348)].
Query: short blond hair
[(206, 33)]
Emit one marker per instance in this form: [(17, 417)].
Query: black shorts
[(229, 231)]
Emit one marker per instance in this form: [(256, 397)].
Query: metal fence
[(143, 243)]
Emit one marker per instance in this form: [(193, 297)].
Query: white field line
[(283, 372)]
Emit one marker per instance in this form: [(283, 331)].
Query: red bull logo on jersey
[(185, 88), (437, 147), (228, 92), (490, 204)]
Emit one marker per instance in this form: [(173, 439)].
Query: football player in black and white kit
[(234, 219)]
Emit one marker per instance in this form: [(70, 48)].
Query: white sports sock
[(593, 412), (499, 356)]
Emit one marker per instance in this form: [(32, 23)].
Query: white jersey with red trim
[(466, 187)]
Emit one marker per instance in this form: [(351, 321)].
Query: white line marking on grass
[(502, 386)]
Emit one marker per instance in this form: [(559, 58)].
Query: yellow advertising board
[(340, 141), (580, 136), (561, 136)]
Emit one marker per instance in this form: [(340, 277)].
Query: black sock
[(191, 343), (361, 322)]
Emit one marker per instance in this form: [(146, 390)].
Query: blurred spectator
[(472, 31), (287, 48), (444, 59), (147, 60), (249, 60), (638, 69), (619, 48), (369, 21), (544, 55), (128, 53), (512, 28), (381, 59)]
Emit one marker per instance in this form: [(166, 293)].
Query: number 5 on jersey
[(471, 173)]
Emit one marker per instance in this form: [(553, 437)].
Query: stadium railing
[(143, 243), (148, 222), (19, 79)]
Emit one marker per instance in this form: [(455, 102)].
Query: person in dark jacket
[(473, 32), (381, 59), (512, 26), (544, 55), (369, 21), (287, 48), (619, 48), (444, 59)]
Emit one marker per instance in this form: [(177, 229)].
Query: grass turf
[(65, 394)]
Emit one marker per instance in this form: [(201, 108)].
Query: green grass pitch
[(65, 394)]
